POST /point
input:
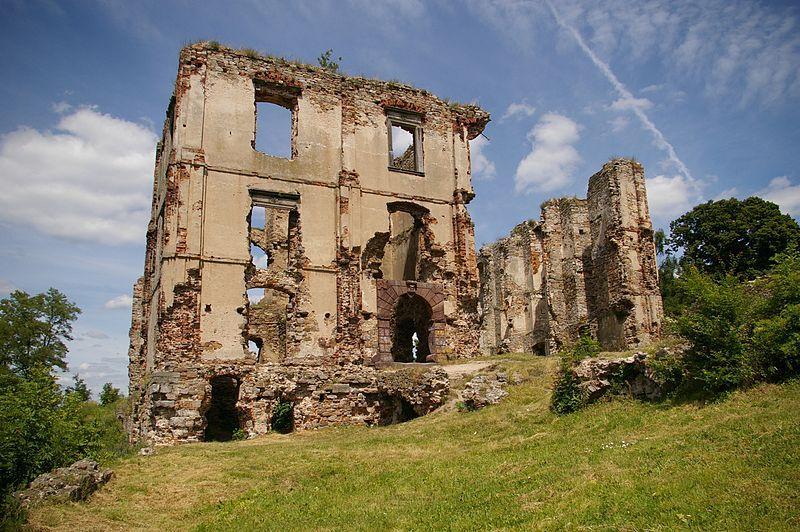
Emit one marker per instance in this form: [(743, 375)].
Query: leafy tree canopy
[(733, 237), (81, 392), (34, 331), (109, 394)]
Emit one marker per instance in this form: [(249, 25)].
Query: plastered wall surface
[(221, 298)]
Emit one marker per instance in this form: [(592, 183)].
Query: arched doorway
[(411, 326), (222, 416)]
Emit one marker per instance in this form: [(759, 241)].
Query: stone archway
[(411, 320), (423, 296)]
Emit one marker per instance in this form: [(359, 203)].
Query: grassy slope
[(730, 465)]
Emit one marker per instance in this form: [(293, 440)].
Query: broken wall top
[(295, 77)]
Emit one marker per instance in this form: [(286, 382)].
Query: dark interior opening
[(395, 410), (411, 329), (222, 417)]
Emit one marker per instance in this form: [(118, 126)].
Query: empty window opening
[(273, 134), (405, 142), (222, 416), (259, 257), (266, 324), (255, 295), (258, 217), (411, 329)]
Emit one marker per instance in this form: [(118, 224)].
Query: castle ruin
[(588, 267), (333, 278)]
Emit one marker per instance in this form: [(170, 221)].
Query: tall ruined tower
[(297, 278), (589, 268)]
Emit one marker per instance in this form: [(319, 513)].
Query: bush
[(775, 342), (282, 417), (41, 428), (714, 324), (567, 396)]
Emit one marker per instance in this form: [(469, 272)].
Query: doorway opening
[(411, 329), (222, 417)]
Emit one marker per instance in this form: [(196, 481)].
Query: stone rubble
[(630, 375), (74, 483), (484, 390)]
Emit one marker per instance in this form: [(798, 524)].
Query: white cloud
[(737, 49), (670, 196), (552, 158), (728, 193), (782, 192), (518, 110), (627, 100), (119, 302), (95, 334), (482, 167), (61, 107), (89, 179), (619, 123), (630, 104), (651, 88), (5, 287)]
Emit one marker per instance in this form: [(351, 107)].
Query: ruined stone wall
[(220, 294), (596, 271), (625, 300), (513, 305)]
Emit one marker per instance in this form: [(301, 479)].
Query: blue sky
[(705, 94)]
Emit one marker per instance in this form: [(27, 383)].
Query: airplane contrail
[(623, 91)]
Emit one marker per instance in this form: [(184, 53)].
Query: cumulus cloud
[(518, 110), (782, 192), (552, 158), (482, 167), (119, 302), (5, 287), (88, 179), (671, 196)]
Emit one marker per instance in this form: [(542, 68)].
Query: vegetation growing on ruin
[(43, 426), (731, 464)]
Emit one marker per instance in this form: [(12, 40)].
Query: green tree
[(669, 270), (34, 330), (79, 390), (41, 427), (733, 237), (109, 395)]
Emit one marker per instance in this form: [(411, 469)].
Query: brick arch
[(388, 292)]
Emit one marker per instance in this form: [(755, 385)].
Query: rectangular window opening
[(273, 134), (405, 142), (258, 217)]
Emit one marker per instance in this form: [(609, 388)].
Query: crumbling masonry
[(333, 279), (306, 279), (588, 267)]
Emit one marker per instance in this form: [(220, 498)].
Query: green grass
[(733, 464)]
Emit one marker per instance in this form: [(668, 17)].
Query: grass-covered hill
[(732, 464)]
